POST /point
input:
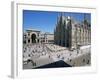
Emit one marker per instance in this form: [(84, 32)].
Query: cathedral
[(71, 33)]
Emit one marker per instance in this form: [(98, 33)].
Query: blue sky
[(45, 21)]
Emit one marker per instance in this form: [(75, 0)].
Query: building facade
[(35, 36), (72, 34)]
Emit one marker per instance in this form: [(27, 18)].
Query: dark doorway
[(38, 40), (33, 37)]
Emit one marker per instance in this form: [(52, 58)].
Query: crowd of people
[(33, 52), (55, 48)]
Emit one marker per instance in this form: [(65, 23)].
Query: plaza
[(41, 54)]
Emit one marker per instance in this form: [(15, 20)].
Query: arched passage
[(33, 37)]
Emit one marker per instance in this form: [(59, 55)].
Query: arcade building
[(31, 36)]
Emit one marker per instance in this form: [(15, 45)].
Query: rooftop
[(33, 30)]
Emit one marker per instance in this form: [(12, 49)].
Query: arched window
[(33, 37)]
